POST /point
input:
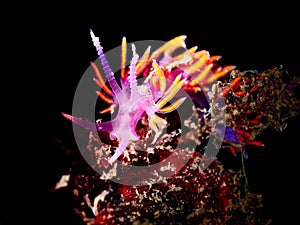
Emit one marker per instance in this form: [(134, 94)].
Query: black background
[(60, 50)]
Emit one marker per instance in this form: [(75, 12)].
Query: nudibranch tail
[(119, 151)]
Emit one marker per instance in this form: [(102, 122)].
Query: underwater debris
[(258, 100)]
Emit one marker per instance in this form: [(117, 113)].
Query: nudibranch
[(190, 70)]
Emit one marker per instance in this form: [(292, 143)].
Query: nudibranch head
[(164, 75)]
